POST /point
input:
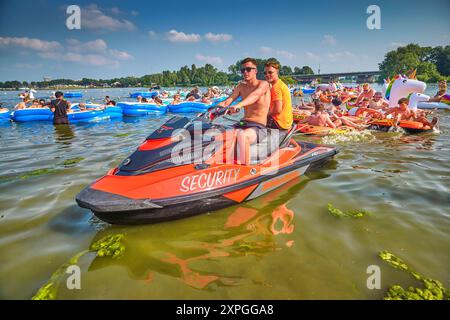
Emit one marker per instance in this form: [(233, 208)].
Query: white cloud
[(115, 10), (92, 53), (209, 59), (265, 50), (220, 37), (286, 54), (30, 43), (121, 55), (134, 13), (329, 40), (396, 44), (175, 36), (282, 53), (152, 34), (311, 56), (98, 45), (94, 18)]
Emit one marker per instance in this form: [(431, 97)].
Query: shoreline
[(188, 86)]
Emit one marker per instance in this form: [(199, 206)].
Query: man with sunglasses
[(280, 112), (255, 96)]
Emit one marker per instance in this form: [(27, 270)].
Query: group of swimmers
[(329, 109), (192, 95)]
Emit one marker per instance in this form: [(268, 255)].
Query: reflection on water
[(64, 134), (248, 230)]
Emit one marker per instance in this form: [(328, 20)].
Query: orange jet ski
[(188, 166)]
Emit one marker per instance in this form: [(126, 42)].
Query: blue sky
[(133, 38)]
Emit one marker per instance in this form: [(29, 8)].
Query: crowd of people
[(267, 105), (331, 108)]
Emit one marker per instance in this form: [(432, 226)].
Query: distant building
[(47, 79)]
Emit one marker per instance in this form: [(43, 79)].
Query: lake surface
[(284, 245)]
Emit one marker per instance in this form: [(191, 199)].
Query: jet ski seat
[(274, 140)]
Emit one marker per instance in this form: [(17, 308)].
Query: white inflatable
[(433, 105), (415, 98), (327, 86), (401, 87)]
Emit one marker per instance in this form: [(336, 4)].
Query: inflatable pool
[(114, 112), (73, 95), (93, 115), (307, 90), (188, 107), (34, 114), (147, 94), (135, 109), (432, 105), (5, 116)]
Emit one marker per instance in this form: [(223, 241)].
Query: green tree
[(423, 59), (440, 56), (285, 70)]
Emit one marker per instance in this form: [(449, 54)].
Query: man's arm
[(236, 93), (330, 123), (276, 108)]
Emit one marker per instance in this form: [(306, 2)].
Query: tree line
[(431, 63), (204, 76)]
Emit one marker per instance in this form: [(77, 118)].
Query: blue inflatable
[(308, 90), (114, 112), (135, 109), (144, 94), (73, 95), (95, 113), (5, 116), (188, 107), (35, 114)]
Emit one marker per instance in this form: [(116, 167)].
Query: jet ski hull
[(116, 208)]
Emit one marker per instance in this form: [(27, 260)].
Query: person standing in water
[(59, 107)]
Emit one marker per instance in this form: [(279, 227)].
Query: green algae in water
[(434, 290), (38, 172), (120, 135), (109, 246), (49, 290), (347, 214), (69, 162)]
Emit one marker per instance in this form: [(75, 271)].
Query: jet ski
[(189, 166)]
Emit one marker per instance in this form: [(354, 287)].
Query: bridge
[(361, 77)]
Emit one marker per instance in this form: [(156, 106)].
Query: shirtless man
[(378, 103), (367, 92), (255, 101), (320, 118), (402, 112)]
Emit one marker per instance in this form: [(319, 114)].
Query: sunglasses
[(247, 69), (269, 72)]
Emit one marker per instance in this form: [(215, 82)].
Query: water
[(284, 245)]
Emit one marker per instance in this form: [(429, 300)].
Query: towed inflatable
[(5, 116), (188, 107), (408, 126), (152, 186), (137, 109), (32, 114), (144, 94), (95, 114), (73, 95), (433, 105)]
